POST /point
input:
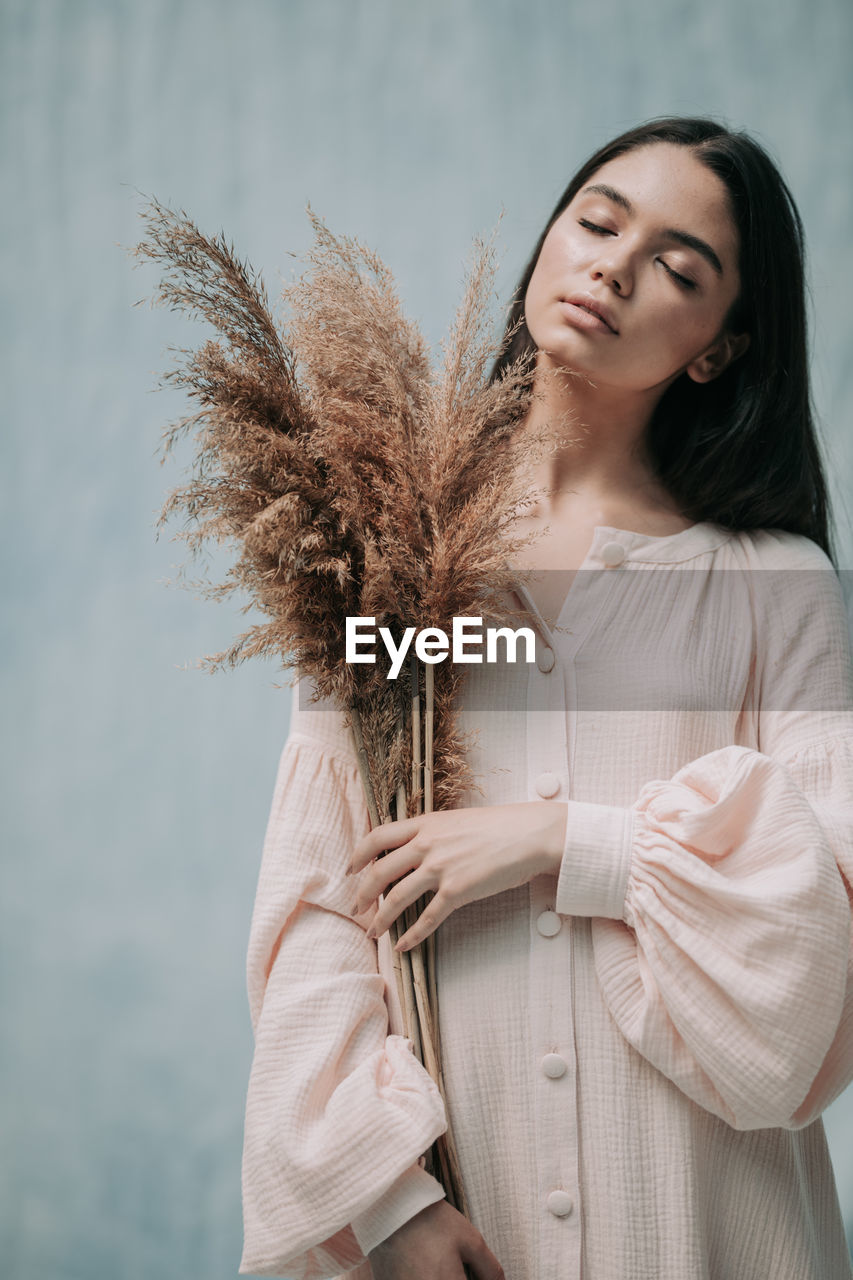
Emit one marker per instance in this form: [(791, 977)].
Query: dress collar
[(669, 549), (612, 547)]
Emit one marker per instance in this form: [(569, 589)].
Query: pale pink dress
[(638, 1051)]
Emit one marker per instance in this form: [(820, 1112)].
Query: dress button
[(547, 784), (612, 553), (554, 1066), (548, 923), (560, 1203), (545, 659)]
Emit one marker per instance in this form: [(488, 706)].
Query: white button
[(547, 784), (554, 1066), (560, 1203), (549, 923), (545, 659), (612, 553)]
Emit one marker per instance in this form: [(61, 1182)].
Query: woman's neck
[(596, 451)]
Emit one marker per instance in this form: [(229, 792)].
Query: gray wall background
[(136, 788)]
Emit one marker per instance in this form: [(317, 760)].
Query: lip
[(600, 317)]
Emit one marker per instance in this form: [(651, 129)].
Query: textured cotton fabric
[(636, 1051)]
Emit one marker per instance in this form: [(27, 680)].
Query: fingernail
[(371, 932), (402, 946)]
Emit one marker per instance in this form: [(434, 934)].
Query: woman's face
[(650, 240)]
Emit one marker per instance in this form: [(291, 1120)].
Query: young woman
[(646, 985)]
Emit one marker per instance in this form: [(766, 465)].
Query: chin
[(558, 357)]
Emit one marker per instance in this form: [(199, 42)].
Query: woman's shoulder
[(800, 606), (778, 549), (795, 590)]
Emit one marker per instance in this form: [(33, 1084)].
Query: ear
[(717, 358)]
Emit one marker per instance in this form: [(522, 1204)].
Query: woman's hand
[(461, 854), (435, 1244)]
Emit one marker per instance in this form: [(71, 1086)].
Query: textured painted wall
[(135, 791)]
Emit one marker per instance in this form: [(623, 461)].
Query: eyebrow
[(683, 237)]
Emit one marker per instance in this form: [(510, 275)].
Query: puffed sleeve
[(721, 899), (338, 1110)]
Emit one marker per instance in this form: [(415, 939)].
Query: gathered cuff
[(304, 1185), (596, 862), (414, 1190)]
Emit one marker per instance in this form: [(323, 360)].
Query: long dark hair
[(741, 450)]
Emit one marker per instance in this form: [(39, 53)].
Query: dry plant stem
[(430, 942), (427, 953), (417, 760), (432, 992), (425, 1013), (367, 786), (432, 1159), (410, 1012), (363, 765), (423, 958), (414, 1023), (445, 1143), (411, 1004), (430, 947), (429, 694), (430, 1060), (417, 792), (417, 1030)]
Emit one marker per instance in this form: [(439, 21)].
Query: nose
[(614, 269)]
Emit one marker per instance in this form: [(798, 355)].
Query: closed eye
[(682, 280), (591, 226)]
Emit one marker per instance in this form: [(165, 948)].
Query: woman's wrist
[(551, 836)]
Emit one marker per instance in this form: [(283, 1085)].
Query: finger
[(404, 893), (388, 835), (378, 878), (426, 923)]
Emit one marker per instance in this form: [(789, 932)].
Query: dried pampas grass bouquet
[(353, 479)]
